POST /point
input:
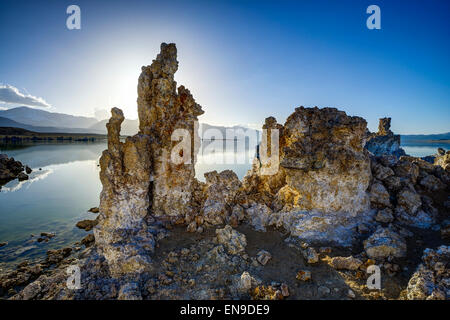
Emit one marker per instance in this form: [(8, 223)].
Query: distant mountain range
[(51, 122), (44, 121), (426, 137), (41, 118)]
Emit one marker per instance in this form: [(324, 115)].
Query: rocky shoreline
[(11, 169), (341, 200)]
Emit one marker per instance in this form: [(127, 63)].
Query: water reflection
[(52, 200)]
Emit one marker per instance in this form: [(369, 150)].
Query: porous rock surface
[(384, 141), (320, 188), (140, 180), (256, 238)]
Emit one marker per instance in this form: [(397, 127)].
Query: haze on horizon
[(242, 60)]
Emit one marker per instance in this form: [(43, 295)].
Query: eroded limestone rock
[(142, 180), (431, 281), (384, 141), (385, 243), (324, 173), (234, 241), (221, 189)]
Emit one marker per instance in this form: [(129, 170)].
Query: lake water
[(64, 184)]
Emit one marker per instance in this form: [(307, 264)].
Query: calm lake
[(64, 184)]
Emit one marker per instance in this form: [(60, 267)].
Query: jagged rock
[(385, 243), (22, 176), (31, 290), (303, 275), (422, 164), (94, 210), (431, 183), (431, 279), (266, 293), (259, 216), (234, 241), (409, 200), (324, 173), (11, 169), (385, 216), (87, 225), (129, 291), (56, 256), (310, 255), (420, 219), (381, 172), (388, 160), (324, 160), (443, 161), (162, 109), (284, 290), (142, 178), (346, 263), (263, 257), (88, 240), (237, 215), (384, 141), (124, 201), (393, 183), (379, 197), (246, 281), (407, 169), (221, 189)]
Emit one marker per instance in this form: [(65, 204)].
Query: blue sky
[(242, 60)]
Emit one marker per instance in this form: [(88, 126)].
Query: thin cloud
[(12, 95)]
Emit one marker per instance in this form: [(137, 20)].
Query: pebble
[(351, 294), (303, 275), (323, 291), (263, 257), (284, 290)]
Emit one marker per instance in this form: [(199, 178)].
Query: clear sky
[(242, 60)]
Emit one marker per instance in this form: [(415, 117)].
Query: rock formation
[(126, 167), (11, 169), (162, 109), (431, 279), (319, 185), (323, 177), (384, 141), (402, 187), (141, 182)]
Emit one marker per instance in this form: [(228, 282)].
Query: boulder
[(431, 183), (263, 257), (431, 279), (384, 216), (346, 263), (409, 201), (379, 196), (385, 243), (232, 240), (87, 225), (221, 189)]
